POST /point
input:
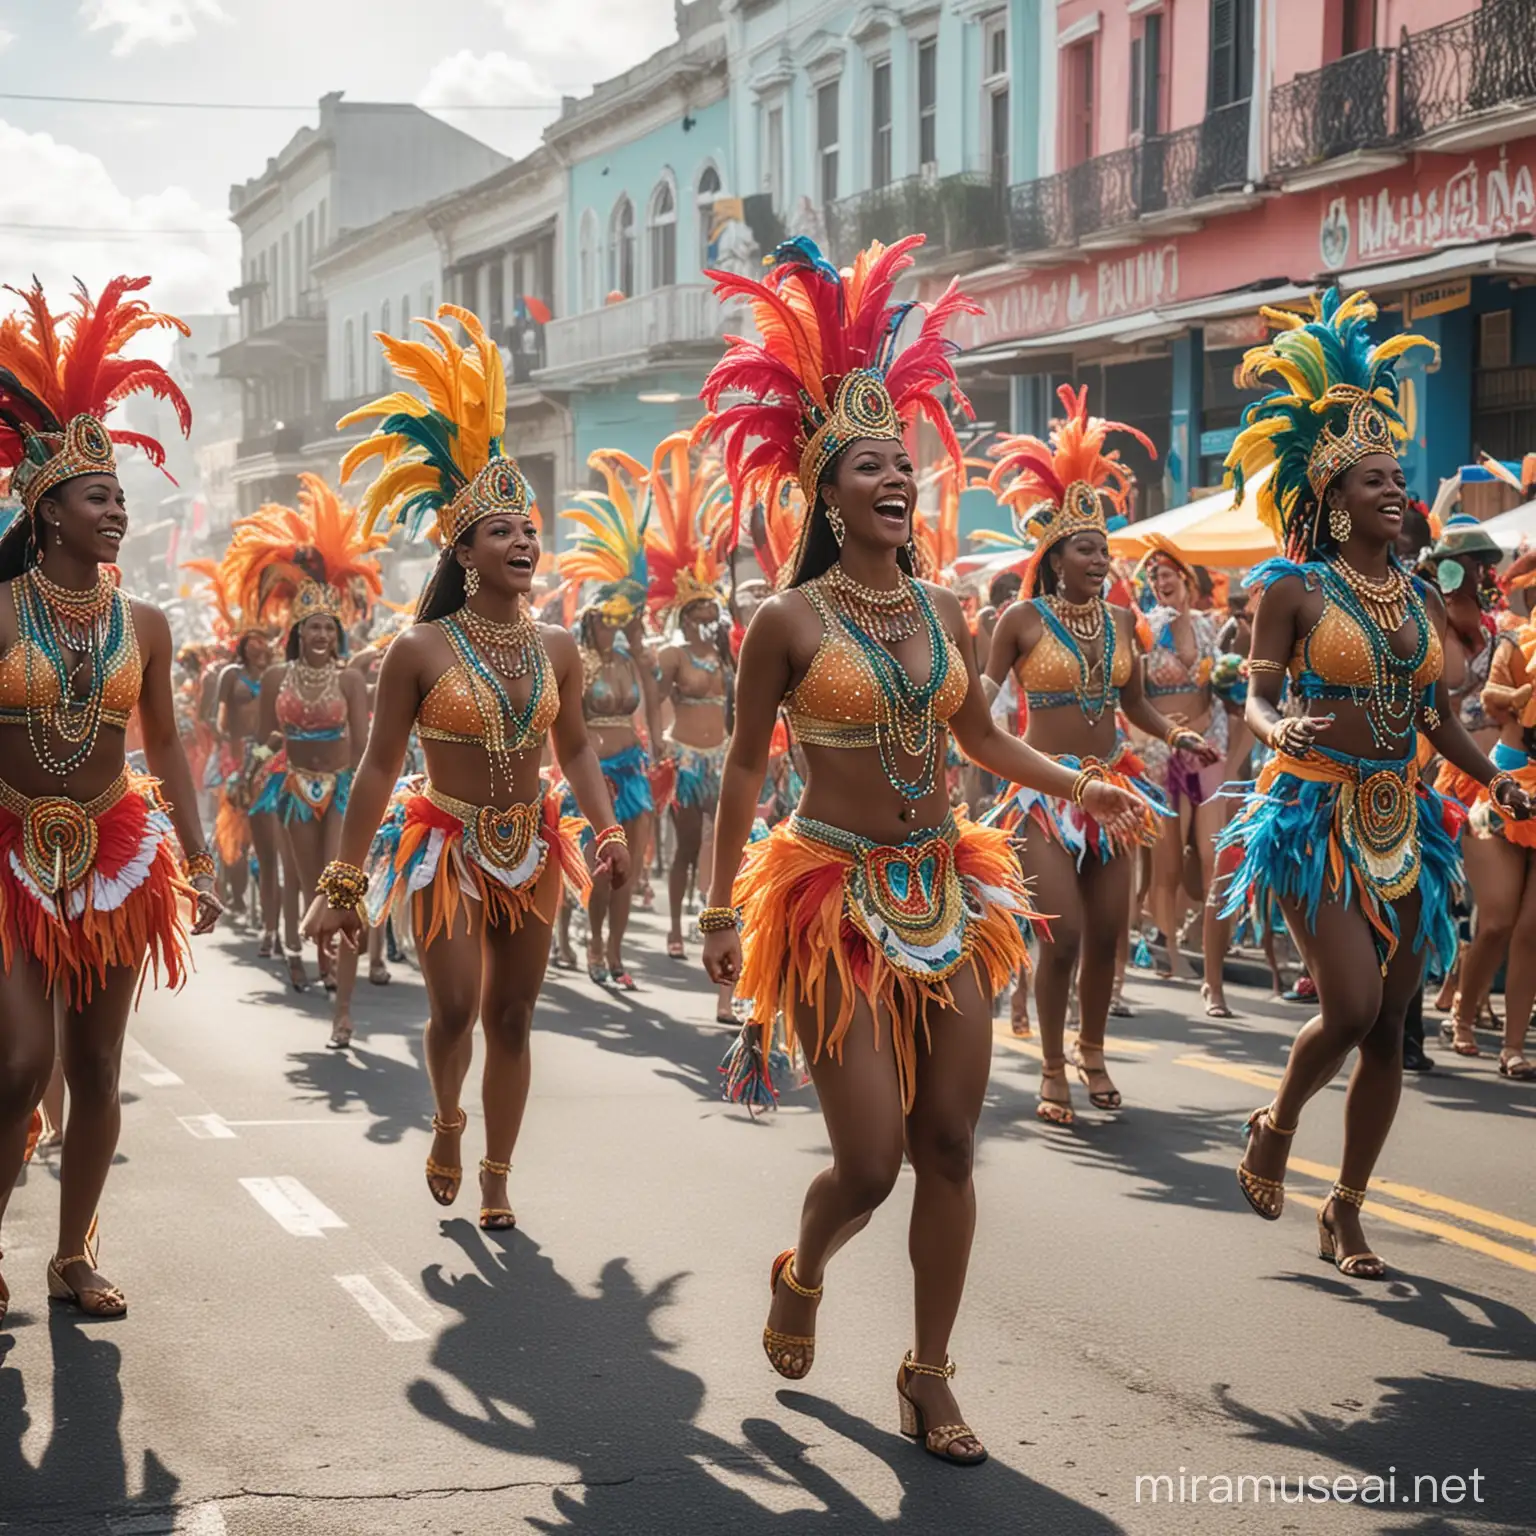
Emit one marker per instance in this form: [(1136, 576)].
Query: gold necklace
[(1386, 601), (889, 614), (508, 647), (1083, 621), (316, 685)]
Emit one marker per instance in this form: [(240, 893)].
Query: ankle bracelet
[(916, 1368), (787, 1275)]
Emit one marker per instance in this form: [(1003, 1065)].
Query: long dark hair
[(816, 552), (444, 591)]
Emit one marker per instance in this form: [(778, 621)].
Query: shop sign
[(1217, 443), (1471, 204), (1237, 330), (1439, 299)]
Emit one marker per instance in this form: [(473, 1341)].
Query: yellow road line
[(1258, 1077), (1473, 1240)]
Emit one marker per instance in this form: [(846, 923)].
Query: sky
[(89, 191)]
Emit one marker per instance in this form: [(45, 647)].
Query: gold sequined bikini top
[(1336, 654), (459, 707), (120, 691), (1050, 676), (836, 704)]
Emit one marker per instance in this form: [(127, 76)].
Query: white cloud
[(590, 40), (63, 217), (6, 39), (492, 78), (148, 21)]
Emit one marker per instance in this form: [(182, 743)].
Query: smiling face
[(319, 638), (1081, 564), (1375, 493), (504, 549), (88, 515), (874, 487), (255, 653), (1169, 584), (699, 616)]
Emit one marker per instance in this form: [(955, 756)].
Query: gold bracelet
[(1279, 738), (1174, 732), (200, 866), (1085, 777), (1260, 664), (613, 834), (1497, 781), (343, 886), (718, 919)]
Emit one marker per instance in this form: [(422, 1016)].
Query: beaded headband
[(501, 487), (1341, 444), (861, 408), (50, 460), (1080, 511), (314, 598)]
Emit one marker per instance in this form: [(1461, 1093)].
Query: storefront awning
[(1457, 261), (1509, 529), (1211, 531)]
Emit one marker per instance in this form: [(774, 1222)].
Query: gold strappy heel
[(1054, 1111), (1105, 1098), (436, 1170), (1266, 1196), (1354, 1266), (941, 1439), (791, 1354), (94, 1301), (496, 1218)]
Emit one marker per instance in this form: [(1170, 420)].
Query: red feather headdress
[(688, 534), (826, 371), (61, 375), (1059, 488)]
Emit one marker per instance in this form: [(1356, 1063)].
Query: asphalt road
[(312, 1347)]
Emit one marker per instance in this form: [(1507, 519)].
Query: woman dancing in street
[(1074, 660), (302, 561), (619, 684), (878, 921), (91, 878), (1359, 852), (690, 517), (482, 847)]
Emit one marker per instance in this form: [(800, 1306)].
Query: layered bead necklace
[(97, 625), (905, 722), (492, 655), (1073, 625), (1380, 609)]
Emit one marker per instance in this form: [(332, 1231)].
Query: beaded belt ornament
[(1379, 819), (59, 840), (497, 839)]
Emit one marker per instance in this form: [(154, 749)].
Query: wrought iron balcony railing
[(1332, 111), (958, 214), (1109, 192), (1464, 67)]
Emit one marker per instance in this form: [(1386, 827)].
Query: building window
[(773, 156), (589, 263), (704, 203), (1147, 91), (928, 102), (1231, 73), (621, 249), (994, 85), (880, 123), (1079, 63), (1357, 26), (663, 236), (348, 362), (827, 108)]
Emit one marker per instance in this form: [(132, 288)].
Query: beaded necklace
[(1066, 635), (1389, 701), (98, 626), (506, 725), (905, 721)]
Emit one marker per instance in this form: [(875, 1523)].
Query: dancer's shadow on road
[(82, 1472), (583, 1381), (394, 1094)]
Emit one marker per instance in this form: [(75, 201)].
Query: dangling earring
[(471, 581), (912, 556), (835, 522), (58, 537), (1340, 524)]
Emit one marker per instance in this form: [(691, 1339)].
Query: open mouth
[(521, 563), (114, 534), (892, 508), (1392, 511)]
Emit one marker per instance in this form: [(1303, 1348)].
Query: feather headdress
[(443, 464), (609, 550), (1060, 488), (827, 372), (688, 531), (61, 375), (225, 621), (1337, 403), (288, 563)]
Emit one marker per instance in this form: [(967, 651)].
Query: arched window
[(704, 202), (663, 225), (589, 262), (621, 249)]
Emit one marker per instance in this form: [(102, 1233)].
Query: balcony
[(1117, 199), (666, 325), (1471, 81), (1341, 112), (959, 214)]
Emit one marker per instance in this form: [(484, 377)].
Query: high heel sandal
[(496, 1218), (436, 1170), (94, 1301), (1354, 1266), (941, 1439), (1105, 1098), (1054, 1111), (1463, 1033), (1266, 1196), (298, 979), (266, 946), (791, 1354)]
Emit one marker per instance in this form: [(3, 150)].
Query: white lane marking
[(207, 1127), (292, 1207), (199, 1520), (336, 1119), (152, 1073), (392, 1321)]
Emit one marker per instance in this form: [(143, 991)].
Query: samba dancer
[(237, 714), (1074, 659), (92, 883), (482, 847), (1359, 852), (879, 921)]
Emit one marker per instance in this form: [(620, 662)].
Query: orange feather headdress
[(688, 534), (1059, 488), (938, 538), (61, 375), (826, 372)]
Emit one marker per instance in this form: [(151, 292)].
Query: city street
[(313, 1346)]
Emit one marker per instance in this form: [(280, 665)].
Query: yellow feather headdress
[(609, 550)]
